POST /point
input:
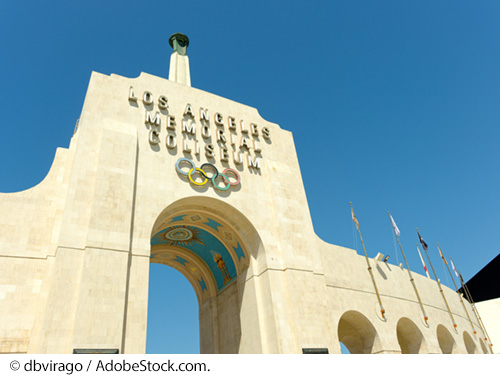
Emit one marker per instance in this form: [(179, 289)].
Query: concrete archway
[(212, 244), (446, 341), (470, 345), (410, 338), (357, 333), (483, 346)]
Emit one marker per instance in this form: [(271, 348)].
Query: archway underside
[(203, 247), (357, 333), (410, 338)]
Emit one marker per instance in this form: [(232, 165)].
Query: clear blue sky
[(394, 105)]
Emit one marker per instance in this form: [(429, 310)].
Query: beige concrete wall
[(83, 238), (489, 311)]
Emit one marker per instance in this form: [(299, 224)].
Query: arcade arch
[(357, 333), (410, 338), (470, 345), (445, 339)]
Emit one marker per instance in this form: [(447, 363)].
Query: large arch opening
[(211, 244), (173, 324), (357, 333), (445, 340), (410, 337)]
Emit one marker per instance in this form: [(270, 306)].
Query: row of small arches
[(359, 336)]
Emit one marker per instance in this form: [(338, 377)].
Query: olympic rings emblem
[(202, 172)]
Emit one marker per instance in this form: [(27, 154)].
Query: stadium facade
[(160, 172)]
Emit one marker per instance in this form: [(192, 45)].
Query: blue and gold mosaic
[(194, 243)]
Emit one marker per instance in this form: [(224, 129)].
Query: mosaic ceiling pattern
[(203, 247)]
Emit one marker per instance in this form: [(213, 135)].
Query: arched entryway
[(357, 333), (410, 337), (211, 244)]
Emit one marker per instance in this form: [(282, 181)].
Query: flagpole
[(454, 284), (478, 316), (408, 269), (382, 310), (437, 281), (476, 312), (423, 262)]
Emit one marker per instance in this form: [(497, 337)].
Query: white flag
[(454, 269), (396, 229), (423, 262)]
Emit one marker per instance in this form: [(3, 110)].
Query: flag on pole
[(441, 253), (423, 263), (424, 244), (396, 229), (454, 269), (354, 217)]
